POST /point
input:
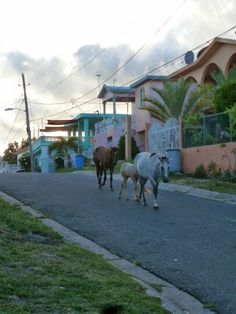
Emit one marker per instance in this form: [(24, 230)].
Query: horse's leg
[(105, 176), (135, 184), (155, 193), (98, 170), (123, 186), (141, 193)]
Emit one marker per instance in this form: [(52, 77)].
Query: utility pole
[(28, 124)]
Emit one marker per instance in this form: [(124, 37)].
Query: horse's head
[(165, 166), (114, 155)]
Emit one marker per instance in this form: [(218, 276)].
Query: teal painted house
[(86, 127)]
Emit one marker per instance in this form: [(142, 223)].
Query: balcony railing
[(109, 124)]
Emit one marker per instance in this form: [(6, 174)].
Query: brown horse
[(105, 158)]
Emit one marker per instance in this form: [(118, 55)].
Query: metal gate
[(163, 137)]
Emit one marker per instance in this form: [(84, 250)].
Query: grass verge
[(40, 273), (210, 184)]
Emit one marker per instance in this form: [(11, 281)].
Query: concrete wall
[(223, 157)]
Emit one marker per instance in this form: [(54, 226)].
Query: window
[(142, 95)]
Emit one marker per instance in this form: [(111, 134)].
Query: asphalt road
[(189, 241)]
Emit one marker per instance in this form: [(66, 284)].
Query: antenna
[(189, 57)]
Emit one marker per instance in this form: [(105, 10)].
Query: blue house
[(84, 126)]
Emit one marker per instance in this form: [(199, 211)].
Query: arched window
[(231, 63), (206, 77)]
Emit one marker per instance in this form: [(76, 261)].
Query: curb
[(173, 299)]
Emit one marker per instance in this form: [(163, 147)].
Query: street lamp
[(28, 133)]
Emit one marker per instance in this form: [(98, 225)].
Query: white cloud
[(51, 40)]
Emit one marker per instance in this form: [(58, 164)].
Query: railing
[(109, 124), (212, 129)]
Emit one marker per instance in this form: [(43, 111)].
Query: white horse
[(151, 166), (128, 170)]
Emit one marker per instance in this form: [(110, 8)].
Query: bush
[(121, 147), (225, 96), (200, 172), (212, 171), (24, 161)]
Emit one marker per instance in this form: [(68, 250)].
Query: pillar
[(86, 132), (114, 106), (128, 137)]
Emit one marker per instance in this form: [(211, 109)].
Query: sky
[(62, 46)]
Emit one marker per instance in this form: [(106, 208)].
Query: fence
[(212, 129), (162, 138)]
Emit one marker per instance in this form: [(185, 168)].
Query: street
[(189, 241)]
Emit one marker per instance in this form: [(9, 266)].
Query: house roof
[(115, 89), (203, 56), (148, 78), (61, 122)]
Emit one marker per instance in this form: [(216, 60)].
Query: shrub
[(121, 147), (212, 171), (200, 172), (225, 96), (24, 161)]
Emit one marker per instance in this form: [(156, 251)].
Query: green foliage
[(232, 115), (40, 273), (220, 78), (61, 148), (24, 161), (10, 153), (192, 119), (121, 148), (173, 102), (225, 96), (62, 145), (212, 171), (200, 172)]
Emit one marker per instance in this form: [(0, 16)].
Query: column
[(128, 137), (114, 106), (86, 132)]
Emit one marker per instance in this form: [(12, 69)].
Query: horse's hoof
[(112, 189), (127, 199), (137, 200), (144, 204), (155, 207), (119, 197)]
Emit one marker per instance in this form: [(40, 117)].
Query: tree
[(62, 147), (225, 96), (10, 153), (174, 100), (220, 78), (121, 148), (24, 161)]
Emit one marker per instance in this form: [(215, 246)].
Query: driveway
[(190, 241)]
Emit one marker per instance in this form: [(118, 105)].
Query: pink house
[(219, 54)]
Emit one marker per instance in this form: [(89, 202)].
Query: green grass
[(216, 185), (40, 273)]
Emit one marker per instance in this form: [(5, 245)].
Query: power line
[(4, 142), (130, 58), (72, 74)]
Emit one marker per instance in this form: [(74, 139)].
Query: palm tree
[(220, 78), (174, 100), (62, 147)]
